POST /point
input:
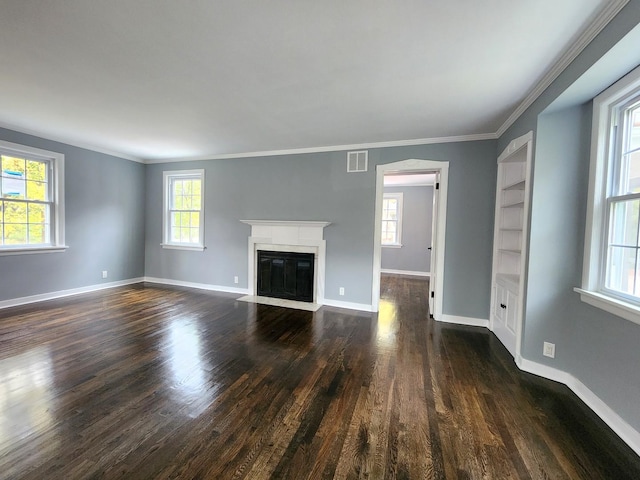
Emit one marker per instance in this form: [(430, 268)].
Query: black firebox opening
[(285, 275)]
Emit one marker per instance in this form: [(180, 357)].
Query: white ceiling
[(161, 79)]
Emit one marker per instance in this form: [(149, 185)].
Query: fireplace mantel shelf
[(287, 223)]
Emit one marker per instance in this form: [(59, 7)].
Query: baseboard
[(473, 322), (14, 302), (625, 431), (201, 286), (405, 272), (363, 307)]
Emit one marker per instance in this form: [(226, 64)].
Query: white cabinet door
[(505, 316)]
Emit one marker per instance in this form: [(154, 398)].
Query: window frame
[(55, 163), (605, 155), (399, 196), (167, 178)]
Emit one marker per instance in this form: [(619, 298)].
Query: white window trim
[(57, 234), (166, 243), (591, 290), (398, 196)]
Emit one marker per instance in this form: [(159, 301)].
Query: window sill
[(31, 250), (193, 248), (617, 307), (392, 245)]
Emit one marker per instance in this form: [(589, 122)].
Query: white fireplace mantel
[(288, 236)]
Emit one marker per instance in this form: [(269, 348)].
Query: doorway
[(439, 171)]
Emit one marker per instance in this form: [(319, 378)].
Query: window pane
[(184, 234), (634, 127), (15, 233), (37, 234), (15, 212), (186, 202), (624, 223), (37, 213), (195, 235), (621, 271), (36, 171), (196, 203), (36, 191), (13, 177), (632, 163)]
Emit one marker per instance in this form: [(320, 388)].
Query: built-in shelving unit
[(510, 239)]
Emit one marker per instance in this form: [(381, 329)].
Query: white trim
[(363, 307), (33, 250), (470, 321), (438, 243), (333, 148), (608, 12), (14, 302), (56, 163), (599, 174), (626, 432), (172, 246), (405, 272), (167, 177), (617, 307), (286, 223), (200, 286)]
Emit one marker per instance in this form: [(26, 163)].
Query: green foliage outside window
[(25, 204)]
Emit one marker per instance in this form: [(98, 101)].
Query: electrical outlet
[(549, 349), (104, 274), (235, 279), (341, 290)]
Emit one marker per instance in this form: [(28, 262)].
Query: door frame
[(407, 166)]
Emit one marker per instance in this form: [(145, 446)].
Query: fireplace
[(286, 275), (291, 237)]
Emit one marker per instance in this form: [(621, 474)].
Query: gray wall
[(317, 187), (417, 213), (104, 208), (599, 349)]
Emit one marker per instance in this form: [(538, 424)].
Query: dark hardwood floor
[(149, 382)]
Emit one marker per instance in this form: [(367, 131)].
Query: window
[(184, 210), (611, 276), (392, 220), (31, 200)]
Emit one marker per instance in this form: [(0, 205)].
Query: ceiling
[(164, 79), (409, 180)]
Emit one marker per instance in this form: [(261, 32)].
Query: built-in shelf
[(519, 185), (513, 204), (510, 241)]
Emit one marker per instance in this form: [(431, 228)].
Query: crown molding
[(607, 14), (333, 148)]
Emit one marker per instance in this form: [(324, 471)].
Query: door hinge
[(437, 185), (433, 294)]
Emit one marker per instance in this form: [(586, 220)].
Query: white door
[(505, 317), (432, 250)]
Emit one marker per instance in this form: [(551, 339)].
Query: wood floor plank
[(156, 382)]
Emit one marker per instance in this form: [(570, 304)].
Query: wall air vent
[(357, 161)]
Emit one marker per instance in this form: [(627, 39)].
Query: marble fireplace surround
[(288, 236)]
